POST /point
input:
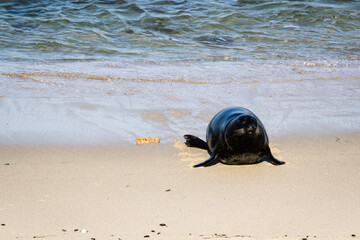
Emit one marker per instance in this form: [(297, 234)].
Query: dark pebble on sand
[(152, 230), (168, 190), (222, 235), (76, 230), (3, 225), (162, 225), (7, 164), (146, 236), (92, 238), (353, 235)]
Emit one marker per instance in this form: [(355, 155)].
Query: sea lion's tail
[(192, 141)]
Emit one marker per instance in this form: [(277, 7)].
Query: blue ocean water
[(161, 30), (95, 72)]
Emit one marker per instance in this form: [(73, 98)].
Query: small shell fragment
[(140, 141)]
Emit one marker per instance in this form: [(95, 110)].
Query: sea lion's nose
[(250, 129)]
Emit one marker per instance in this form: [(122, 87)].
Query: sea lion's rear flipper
[(271, 158), (192, 141), (212, 160)]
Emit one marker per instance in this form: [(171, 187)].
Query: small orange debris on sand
[(140, 141)]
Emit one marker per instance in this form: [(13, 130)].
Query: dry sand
[(133, 192)]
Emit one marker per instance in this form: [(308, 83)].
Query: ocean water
[(159, 30), (97, 72)]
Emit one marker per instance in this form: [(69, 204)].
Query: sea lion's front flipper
[(211, 161), (192, 141), (271, 158)]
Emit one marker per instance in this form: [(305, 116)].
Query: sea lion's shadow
[(263, 159)]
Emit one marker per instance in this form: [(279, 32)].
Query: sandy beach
[(151, 191), (70, 168)]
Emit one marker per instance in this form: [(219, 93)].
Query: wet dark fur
[(234, 136)]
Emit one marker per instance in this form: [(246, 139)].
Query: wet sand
[(136, 192), (106, 103)]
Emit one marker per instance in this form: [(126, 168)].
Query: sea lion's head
[(244, 133)]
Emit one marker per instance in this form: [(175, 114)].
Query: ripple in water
[(160, 30)]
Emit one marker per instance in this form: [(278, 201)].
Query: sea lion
[(234, 136)]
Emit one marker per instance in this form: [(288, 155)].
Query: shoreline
[(127, 191)]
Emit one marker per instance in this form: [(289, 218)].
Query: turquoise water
[(158, 30)]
